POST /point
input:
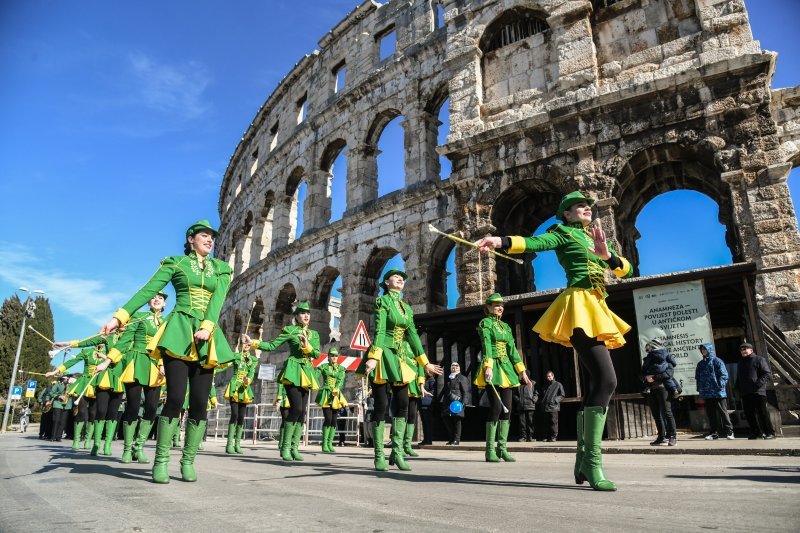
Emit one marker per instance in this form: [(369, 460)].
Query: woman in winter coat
[(456, 389)]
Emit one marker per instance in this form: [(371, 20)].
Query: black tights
[(133, 398), (284, 414), (330, 415), (413, 406), (381, 395), (107, 404), (238, 411), (495, 409), (596, 361), (298, 397), (87, 410), (181, 374)]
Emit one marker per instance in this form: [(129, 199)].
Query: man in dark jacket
[(456, 389), (753, 376), (552, 394), (526, 410)]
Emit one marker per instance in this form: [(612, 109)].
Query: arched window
[(513, 25), (391, 157), (334, 161)]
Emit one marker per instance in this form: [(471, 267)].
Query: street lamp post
[(29, 308)]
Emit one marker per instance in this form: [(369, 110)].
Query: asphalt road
[(47, 487)]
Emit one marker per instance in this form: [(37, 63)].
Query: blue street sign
[(30, 388), (16, 392)]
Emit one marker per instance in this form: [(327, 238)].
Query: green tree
[(33, 356)]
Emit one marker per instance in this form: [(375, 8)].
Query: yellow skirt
[(581, 308)]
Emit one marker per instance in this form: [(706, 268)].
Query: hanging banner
[(677, 315)]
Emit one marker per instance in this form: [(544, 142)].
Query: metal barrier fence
[(262, 423)]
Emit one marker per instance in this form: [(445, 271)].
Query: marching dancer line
[(143, 350)]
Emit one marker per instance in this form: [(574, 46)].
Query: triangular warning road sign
[(360, 340)]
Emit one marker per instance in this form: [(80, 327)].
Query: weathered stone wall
[(624, 102)]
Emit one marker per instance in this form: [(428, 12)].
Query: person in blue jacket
[(712, 377)]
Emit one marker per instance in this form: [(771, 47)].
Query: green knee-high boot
[(98, 436), (111, 430), (295, 442), (579, 450), (89, 435), (377, 442), (502, 440), (77, 429), (491, 432), (407, 439), (287, 432), (142, 432), (594, 421), (237, 446), (229, 446), (128, 432), (328, 439), (166, 427), (398, 434), (176, 437), (194, 434), (331, 437)]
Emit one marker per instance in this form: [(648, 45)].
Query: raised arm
[(162, 276)]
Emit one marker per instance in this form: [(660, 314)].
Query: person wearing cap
[(501, 371), (298, 375), (239, 394), (579, 317), (82, 385), (139, 374), (189, 341), (456, 389), (330, 397), (752, 378), (711, 377), (659, 386), (387, 363)]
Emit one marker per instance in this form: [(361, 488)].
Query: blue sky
[(118, 121)]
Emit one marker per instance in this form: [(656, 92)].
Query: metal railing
[(262, 423)]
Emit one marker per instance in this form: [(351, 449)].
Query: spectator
[(752, 379), (426, 410), (552, 394), (341, 424), (456, 389), (712, 377), (528, 396), (659, 386)]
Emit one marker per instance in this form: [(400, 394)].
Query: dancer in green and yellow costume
[(189, 340), (416, 391), (83, 385), (388, 363), (298, 375), (330, 397), (107, 387), (579, 317), (140, 374), (501, 371), (239, 394)]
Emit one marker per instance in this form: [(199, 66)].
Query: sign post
[(361, 342), (677, 315)]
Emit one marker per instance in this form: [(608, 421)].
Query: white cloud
[(173, 89), (82, 297)]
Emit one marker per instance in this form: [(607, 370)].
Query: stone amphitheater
[(622, 99)]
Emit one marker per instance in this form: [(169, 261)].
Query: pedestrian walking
[(552, 394), (711, 377), (753, 376)]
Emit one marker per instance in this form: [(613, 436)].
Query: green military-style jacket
[(131, 350), (199, 295), (574, 249), (244, 366), (90, 362), (395, 333), (59, 389), (331, 377), (499, 353), (280, 397), (298, 369), (108, 379)]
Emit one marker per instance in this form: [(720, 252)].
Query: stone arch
[(431, 123), (257, 319), (320, 299), (262, 233), (245, 243), (284, 305), (519, 210), (379, 123), (378, 257), (668, 167), (331, 152), (518, 54), (237, 327), (437, 296), (286, 209)]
